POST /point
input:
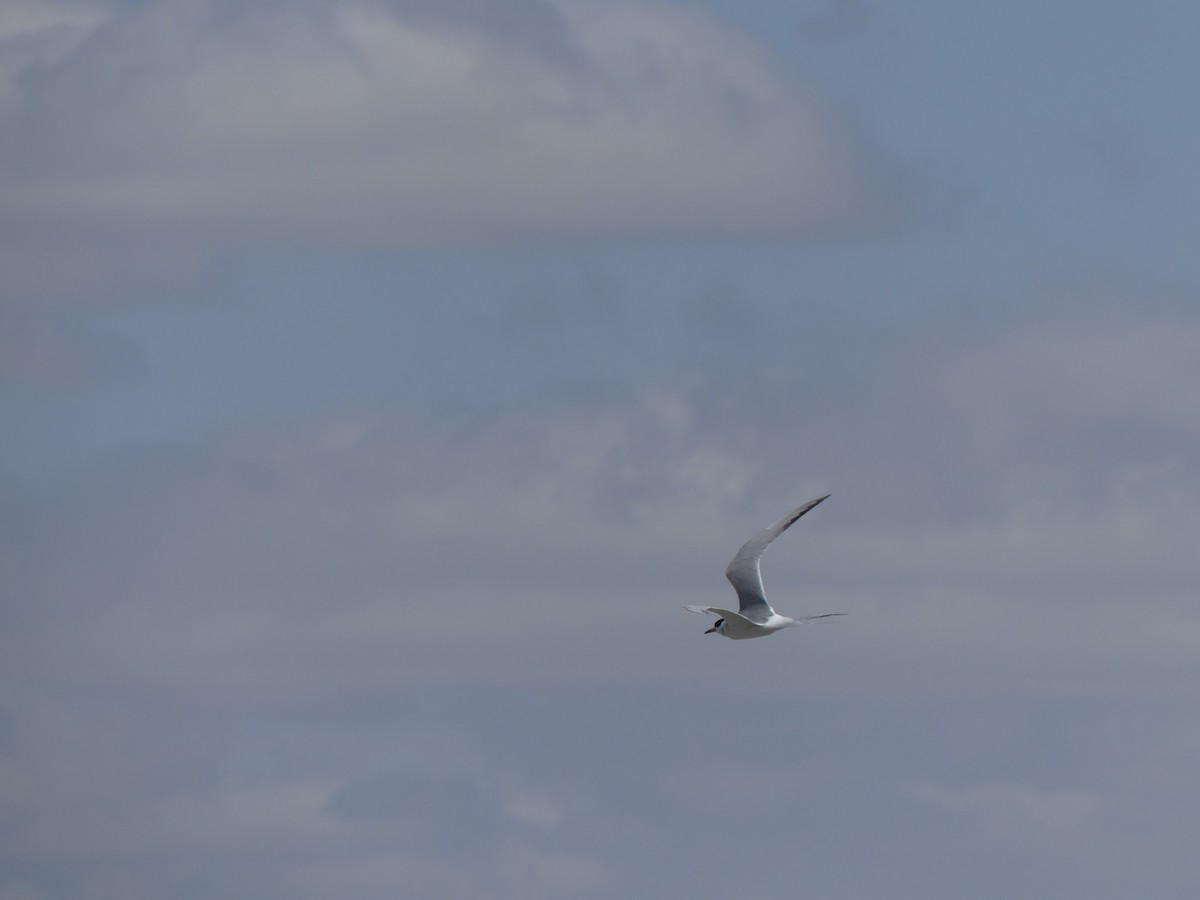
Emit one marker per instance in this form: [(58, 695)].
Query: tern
[(754, 617)]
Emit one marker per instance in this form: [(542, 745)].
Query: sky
[(379, 378)]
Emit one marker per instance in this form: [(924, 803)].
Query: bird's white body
[(739, 628), (755, 617)]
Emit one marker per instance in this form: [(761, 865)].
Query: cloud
[(410, 123), (1013, 806), (39, 31), (345, 643), (1041, 461), (1115, 154), (455, 813), (840, 20), (726, 319), (45, 351), (733, 790), (475, 531)]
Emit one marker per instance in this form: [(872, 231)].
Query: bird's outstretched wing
[(743, 571), (714, 611)]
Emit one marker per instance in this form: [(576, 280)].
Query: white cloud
[(366, 121)]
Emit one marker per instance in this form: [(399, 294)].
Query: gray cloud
[(414, 651), (1114, 152), (726, 319), (347, 651), (48, 352), (840, 20), (409, 122), (410, 624), (590, 299), (1052, 810)]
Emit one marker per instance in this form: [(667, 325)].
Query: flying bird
[(754, 617)]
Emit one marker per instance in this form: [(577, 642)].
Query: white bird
[(754, 617)]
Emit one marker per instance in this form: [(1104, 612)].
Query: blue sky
[(379, 379)]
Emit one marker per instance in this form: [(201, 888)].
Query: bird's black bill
[(711, 630)]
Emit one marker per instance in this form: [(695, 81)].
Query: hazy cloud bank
[(368, 581), (414, 122), (386, 650)]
